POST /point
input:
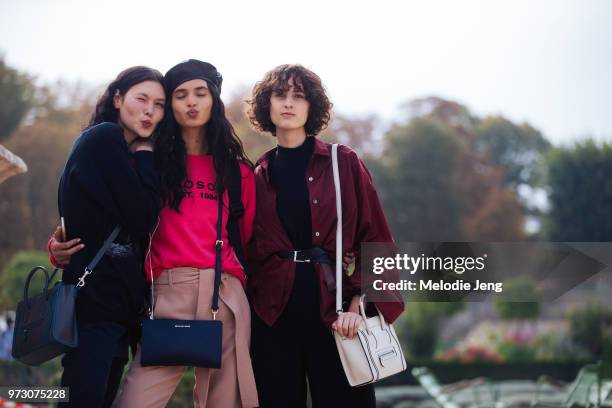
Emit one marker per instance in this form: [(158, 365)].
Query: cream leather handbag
[(375, 353)]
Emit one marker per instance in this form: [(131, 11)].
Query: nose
[(191, 101), (149, 109), (288, 102)]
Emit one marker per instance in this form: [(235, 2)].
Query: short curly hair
[(319, 112)]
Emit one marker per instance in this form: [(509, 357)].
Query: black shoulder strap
[(236, 211)]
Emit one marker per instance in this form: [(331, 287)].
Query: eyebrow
[(147, 95), (199, 88)]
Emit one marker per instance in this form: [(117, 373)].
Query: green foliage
[(556, 347), (519, 300), (417, 182), (15, 274), (591, 329), (515, 148), (28, 202), (511, 351), (16, 98), (580, 193), (418, 327)]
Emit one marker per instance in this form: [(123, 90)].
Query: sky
[(546, 62)]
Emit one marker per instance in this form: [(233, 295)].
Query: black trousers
[(93, 370), (299, 347)]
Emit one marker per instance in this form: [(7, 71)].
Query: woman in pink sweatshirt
[(197, 150)]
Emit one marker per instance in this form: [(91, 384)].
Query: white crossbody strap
[(338, 229)]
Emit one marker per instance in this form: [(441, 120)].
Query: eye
[(299, 95), (141, 99), (159, 104), (203, 94)]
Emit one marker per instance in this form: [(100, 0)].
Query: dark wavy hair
[(278, 80), (171, 153), (105, 110)]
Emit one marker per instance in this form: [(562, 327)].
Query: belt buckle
[(295, 259)]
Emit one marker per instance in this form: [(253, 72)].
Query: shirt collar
[(321, 148)]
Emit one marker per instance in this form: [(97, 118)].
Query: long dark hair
[(105, 110), (171, 153)]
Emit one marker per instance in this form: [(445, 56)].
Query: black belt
[(314, 255)]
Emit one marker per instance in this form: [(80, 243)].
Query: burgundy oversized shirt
[(271, 277)]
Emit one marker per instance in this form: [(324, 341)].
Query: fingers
[(355, 323), (348, 259), (57, 245), (62, 251), (347, 324), (75, 248)]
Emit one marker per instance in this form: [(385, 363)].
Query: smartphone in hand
[(63, 227)]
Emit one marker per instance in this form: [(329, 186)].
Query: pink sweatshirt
[(188, 238)]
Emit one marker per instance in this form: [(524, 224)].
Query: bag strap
[(338, 229), (218, 265), (218, 253), (94, 262)]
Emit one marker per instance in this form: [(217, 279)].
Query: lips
[(192, 113), (146, 124), (287, 114)]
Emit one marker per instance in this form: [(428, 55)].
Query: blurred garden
[(443, 173)]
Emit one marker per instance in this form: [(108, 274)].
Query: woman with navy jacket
[(292, 287), (109, 180)]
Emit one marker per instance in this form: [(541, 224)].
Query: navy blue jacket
[(104, 185)]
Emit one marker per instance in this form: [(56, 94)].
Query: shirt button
[(310, 178), (317, 234), (315, 201)]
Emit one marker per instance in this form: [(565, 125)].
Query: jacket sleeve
[(372, 226), (134, 186)]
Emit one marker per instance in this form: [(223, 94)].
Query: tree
[(581, 192), (16, 98), (255, 143), (420, 325), (590, 328), (519, 300), (28, 203), (417, 184), (517, 149), (12, 280)]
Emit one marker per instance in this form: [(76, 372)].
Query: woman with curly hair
[(292, 287)]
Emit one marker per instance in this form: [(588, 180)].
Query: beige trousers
[(186, 293)]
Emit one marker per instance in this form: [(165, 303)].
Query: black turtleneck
[(288, 169)]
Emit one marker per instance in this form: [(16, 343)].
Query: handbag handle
[(338, 229), (27, 284)]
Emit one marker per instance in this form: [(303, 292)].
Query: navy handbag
[(194, 343), (45, 325)]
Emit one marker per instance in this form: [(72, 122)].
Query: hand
[(142, 144), (347, 324), (62, 251), (348, 260)]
